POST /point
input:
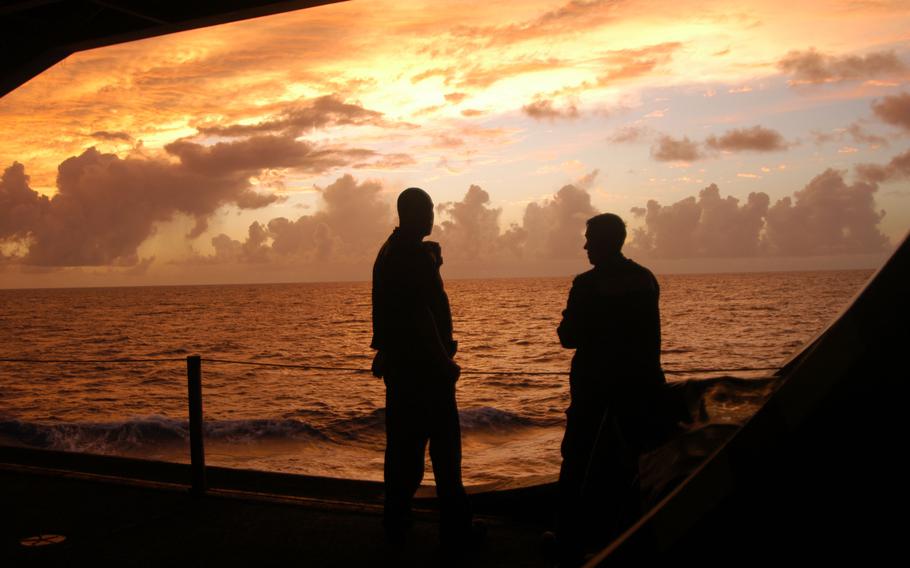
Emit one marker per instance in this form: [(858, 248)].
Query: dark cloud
[(545, 110), (826, 217), (669, 149), (813, 67), (709, 226), (323, 111), (105, 206), (111, 136), (20, 206), (894, 110), (264, 152), (757, 139), (897, 168), (471, 112), (455, 97)]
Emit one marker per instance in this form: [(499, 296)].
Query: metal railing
[(194, 391)]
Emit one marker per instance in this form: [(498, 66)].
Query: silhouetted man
[(412, 333), (612, 321)]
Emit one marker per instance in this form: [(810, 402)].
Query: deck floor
[(110, 522)]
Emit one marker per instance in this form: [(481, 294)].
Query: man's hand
[(435, 251), (451, 371), (378, 366)]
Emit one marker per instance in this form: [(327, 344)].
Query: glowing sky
[(271, 149)]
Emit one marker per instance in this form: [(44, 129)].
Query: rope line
[(357, 370), (119, 360)]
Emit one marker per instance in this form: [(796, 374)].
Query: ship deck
[(253, 519)]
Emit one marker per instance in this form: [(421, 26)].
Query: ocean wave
[(486, 419), (152, 431), (146, 432)]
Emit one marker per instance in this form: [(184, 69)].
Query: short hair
[(413, 204), (608, 229)]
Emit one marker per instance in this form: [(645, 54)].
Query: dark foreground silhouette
[(612, 320), (412, 333)]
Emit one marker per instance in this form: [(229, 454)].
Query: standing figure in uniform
[(412, 334), (612, 320)]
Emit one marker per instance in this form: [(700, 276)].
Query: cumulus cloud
[(471, 231), (545, 110), (827, 217), (669, 149), (20, 206), (894, 110), (352, 221), (293, 121), (555, 227), (709, 226), (105, 206), (812, 67), (757, 139)]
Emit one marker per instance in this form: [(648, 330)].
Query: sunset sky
[(772, 135)]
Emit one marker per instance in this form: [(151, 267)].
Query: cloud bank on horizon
[(726, 138)]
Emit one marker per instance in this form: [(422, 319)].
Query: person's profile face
[(428, 222)]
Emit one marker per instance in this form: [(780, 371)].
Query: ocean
[(330, 422)]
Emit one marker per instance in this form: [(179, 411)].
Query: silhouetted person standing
[(612, 320), (412, 333)]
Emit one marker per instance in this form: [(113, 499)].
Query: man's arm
[(570, 328), (654, 321)]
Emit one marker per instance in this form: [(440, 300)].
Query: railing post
[(197, 452)]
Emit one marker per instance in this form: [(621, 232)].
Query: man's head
[(604, 237), (415, 212)]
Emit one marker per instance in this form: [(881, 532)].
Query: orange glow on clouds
[(472, 93)]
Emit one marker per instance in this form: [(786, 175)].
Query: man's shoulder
[(627, 277), (585, 279), (635, 268), (401, 259)]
